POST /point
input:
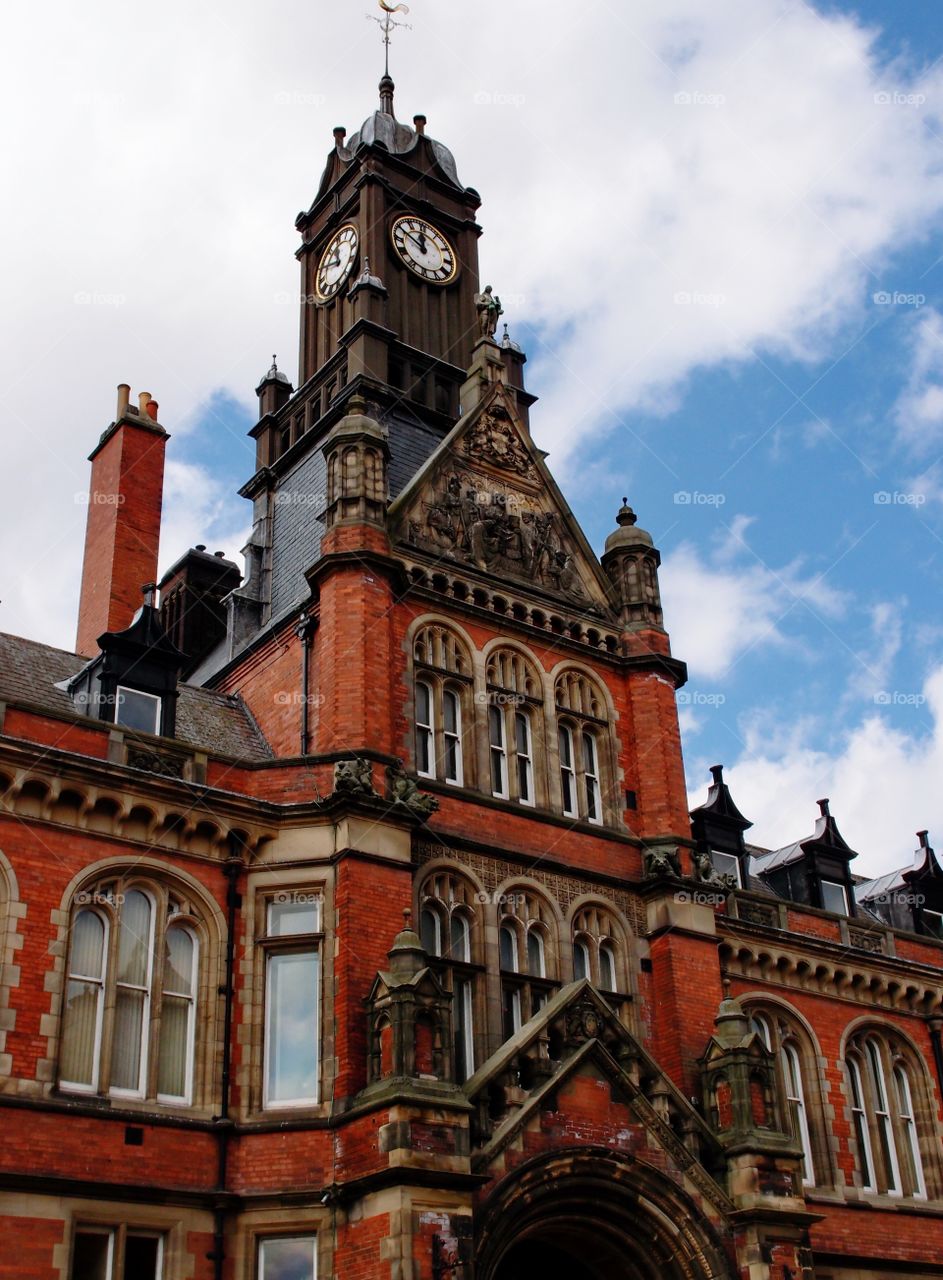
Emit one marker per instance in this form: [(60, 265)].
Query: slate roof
[(218, 723)]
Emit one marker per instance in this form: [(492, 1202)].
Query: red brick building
[(352, 919)]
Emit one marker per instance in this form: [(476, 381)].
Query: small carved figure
[(564, 575), (404, 791), (353, 777), (660, 861), (704, 868), (488, 306)]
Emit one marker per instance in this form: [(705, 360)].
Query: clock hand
[(420, 240)]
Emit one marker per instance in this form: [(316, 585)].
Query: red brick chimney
[(123, 530)]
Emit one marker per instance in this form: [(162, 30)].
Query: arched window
[(582, 730), (448, 917), (536, 965), (883, 1081), (598, 942), (527, 956), (796, 1077), (442, 695), (515, 697), (129, 1013), (607, 967), (581, 961), (911, 1146)]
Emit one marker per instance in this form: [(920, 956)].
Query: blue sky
[(693, 212)]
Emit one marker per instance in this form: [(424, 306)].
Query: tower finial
[(386, 26)]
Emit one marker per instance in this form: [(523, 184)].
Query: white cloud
[(875, 773), (197, 510), (919, 408), (151, 187), (721, 607)]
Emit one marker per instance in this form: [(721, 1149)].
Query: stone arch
[(590, 1213)]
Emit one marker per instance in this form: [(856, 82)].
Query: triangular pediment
[(485, 502), (575, 1034)]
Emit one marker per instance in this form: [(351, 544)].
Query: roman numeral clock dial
[(424, 249), (337, 261)]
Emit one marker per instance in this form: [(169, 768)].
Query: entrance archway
[(590, 1214)]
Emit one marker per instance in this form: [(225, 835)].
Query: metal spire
[(386, 26)]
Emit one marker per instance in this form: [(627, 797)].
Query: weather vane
[(386, 26)]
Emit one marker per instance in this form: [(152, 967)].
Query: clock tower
[(389, 277)]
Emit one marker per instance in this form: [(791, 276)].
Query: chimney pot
[(220, 555), (200, 546), (152, 407), (124, 395), (143, 399), (420, 123), (340, 133)]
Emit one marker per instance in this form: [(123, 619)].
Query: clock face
[(424, 249), (337, 261)]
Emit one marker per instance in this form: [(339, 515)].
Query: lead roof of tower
[(628, 533), (381, 128)]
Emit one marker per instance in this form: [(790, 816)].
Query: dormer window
[(137, 710), (133, 680), (933, 923), (834, 897), (727, 864)]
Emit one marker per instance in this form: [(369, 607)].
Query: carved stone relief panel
[(476, 520)]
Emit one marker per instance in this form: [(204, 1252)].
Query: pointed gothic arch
[(589, 1213)]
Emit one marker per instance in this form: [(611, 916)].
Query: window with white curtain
[(129, 1013), (884, 1079)]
